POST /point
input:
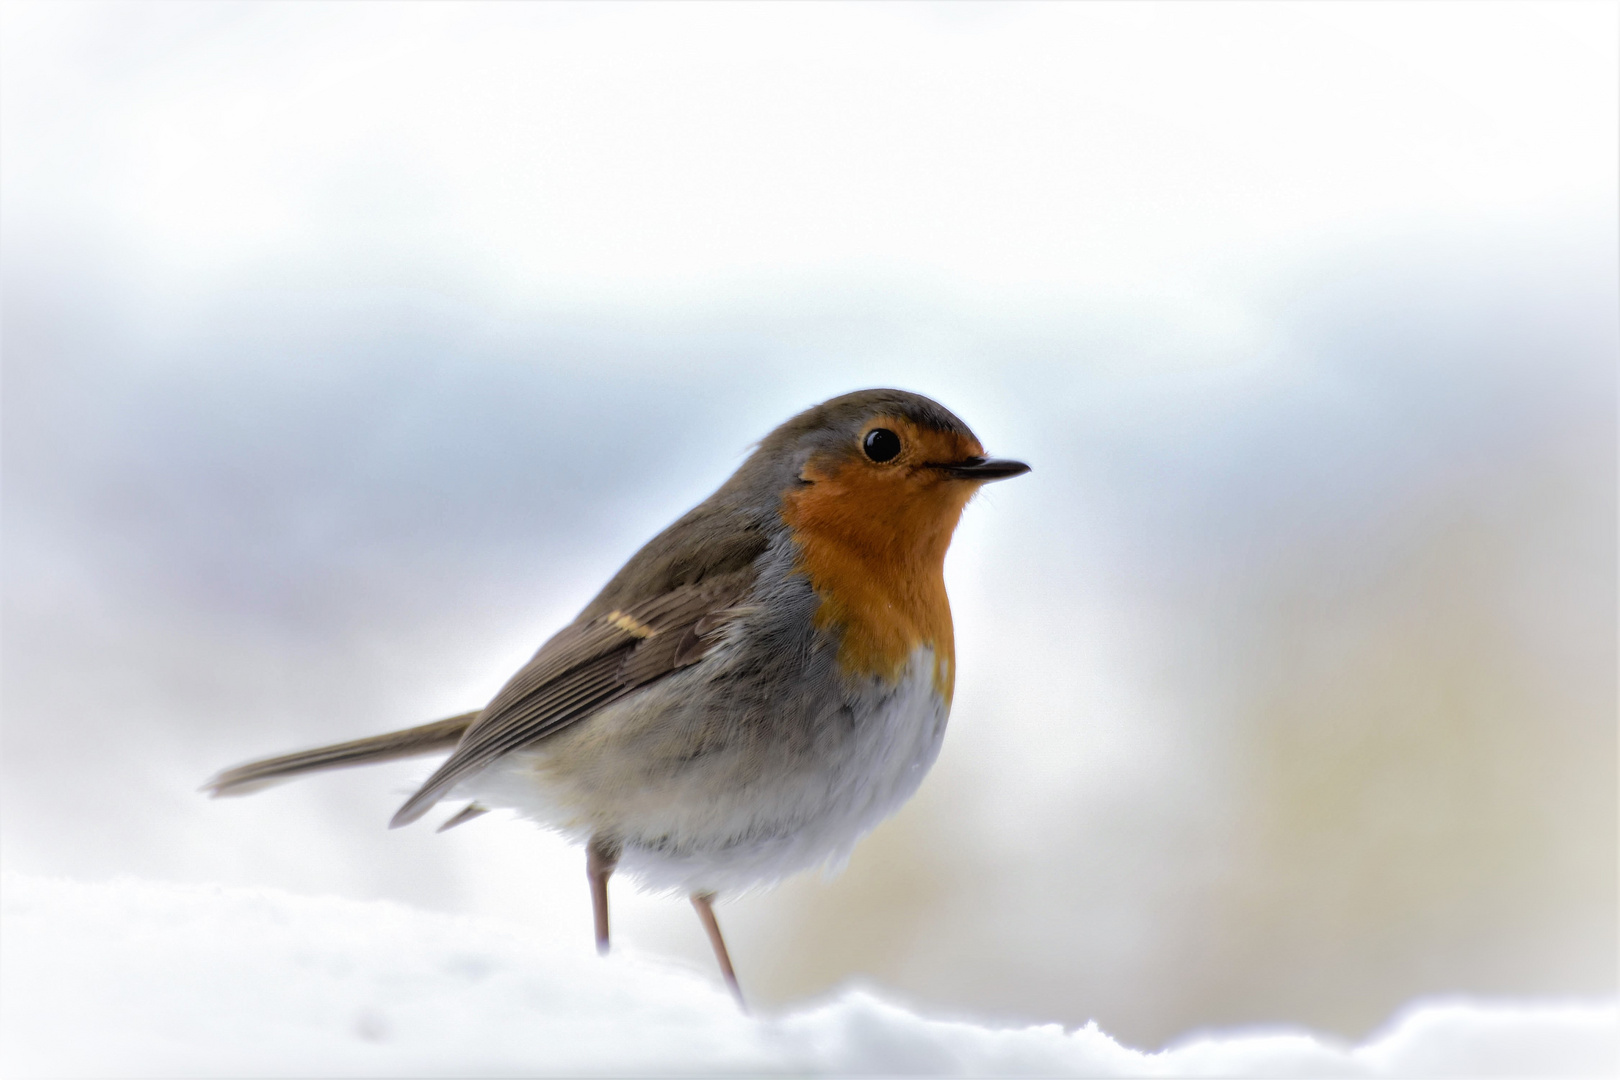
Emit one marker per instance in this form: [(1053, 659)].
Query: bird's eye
[(881, 444)]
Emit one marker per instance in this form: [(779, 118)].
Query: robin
[(760, 685)]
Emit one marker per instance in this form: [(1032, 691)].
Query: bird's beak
[(983, 469)]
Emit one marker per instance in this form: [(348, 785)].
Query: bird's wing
[(589, 664)]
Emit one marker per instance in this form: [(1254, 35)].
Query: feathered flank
[(588, 665)]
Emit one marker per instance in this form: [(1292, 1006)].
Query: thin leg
[(601, 856), (704, 902)]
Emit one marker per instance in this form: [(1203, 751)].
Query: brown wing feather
[(586, 666)]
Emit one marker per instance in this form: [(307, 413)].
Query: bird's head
[(872, 485)]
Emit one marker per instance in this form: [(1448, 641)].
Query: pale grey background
[(349, 348)]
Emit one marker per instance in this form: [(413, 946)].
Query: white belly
[(739, 819)]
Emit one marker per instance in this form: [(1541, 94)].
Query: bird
[(756, 689)]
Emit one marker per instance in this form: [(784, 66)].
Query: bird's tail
[(412, 742)]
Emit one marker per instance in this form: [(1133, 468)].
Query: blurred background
[(348, 349)]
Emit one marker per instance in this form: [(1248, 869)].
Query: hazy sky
[(349, 348)]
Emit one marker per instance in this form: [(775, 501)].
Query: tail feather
[(412, 742)]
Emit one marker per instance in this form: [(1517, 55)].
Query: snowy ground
[(133, 978)]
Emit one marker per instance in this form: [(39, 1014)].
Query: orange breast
[(872, 542)]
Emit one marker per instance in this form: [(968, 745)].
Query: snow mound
[(132, 978)]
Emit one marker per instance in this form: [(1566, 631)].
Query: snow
[(135, 978)]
